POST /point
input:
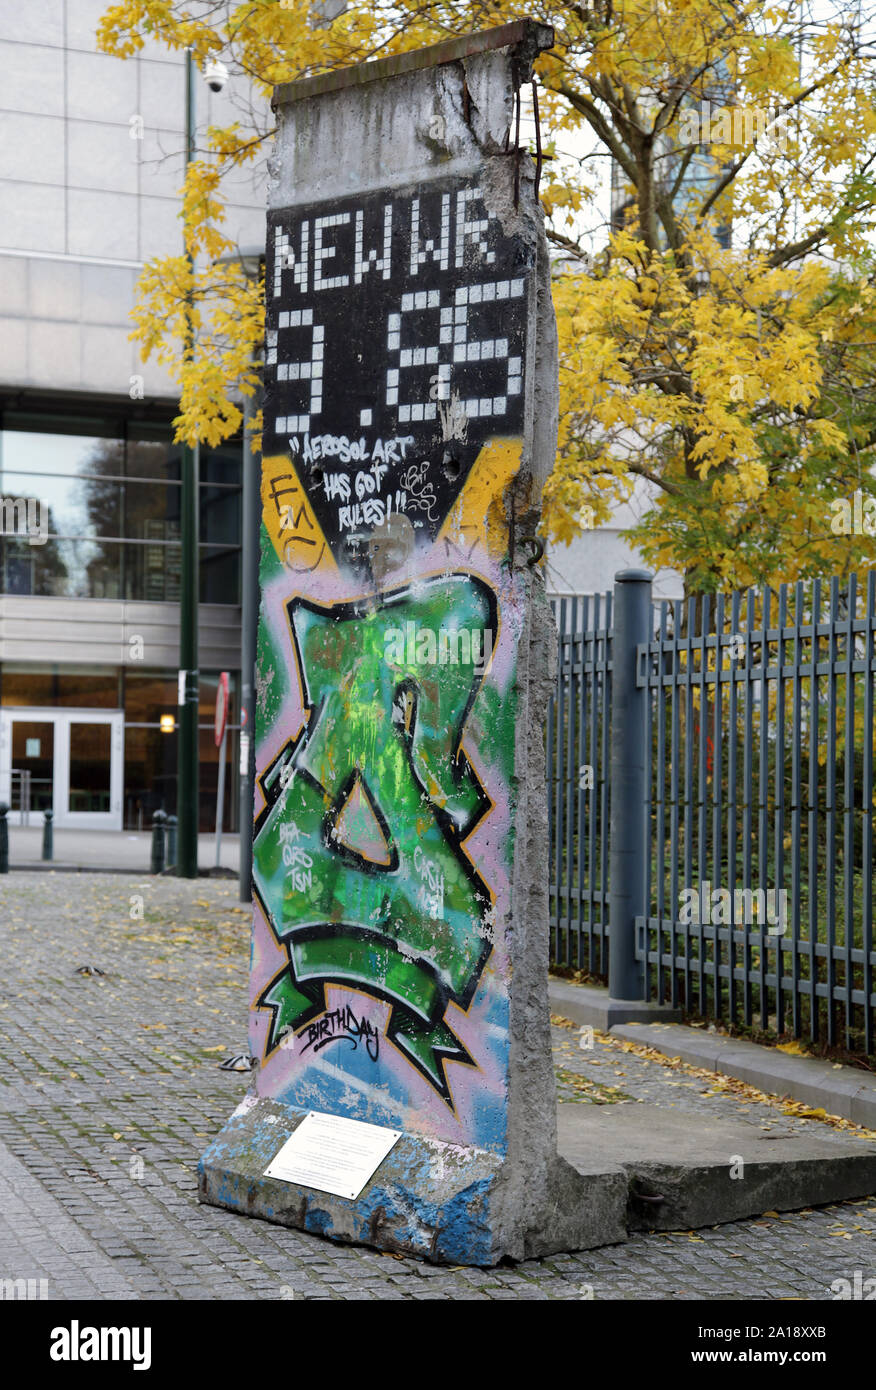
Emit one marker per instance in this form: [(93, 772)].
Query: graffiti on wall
[(383, 836), (357, 848)]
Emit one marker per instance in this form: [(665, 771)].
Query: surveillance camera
[(215, 75)]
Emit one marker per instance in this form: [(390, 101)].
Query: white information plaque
[(332, 1154)]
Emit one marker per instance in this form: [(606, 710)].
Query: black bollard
[(48, 835), (158, 842), (171, 842), (4, 839)]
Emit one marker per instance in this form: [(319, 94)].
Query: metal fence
[(578, 784), (749, 892)]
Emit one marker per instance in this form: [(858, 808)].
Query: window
[(101, 509), (75, 687), (151, 756)]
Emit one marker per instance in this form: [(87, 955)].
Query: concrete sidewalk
[(108, 851), (846, 1091), (697, 1149)]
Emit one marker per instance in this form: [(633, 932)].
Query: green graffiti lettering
[(358, 858)]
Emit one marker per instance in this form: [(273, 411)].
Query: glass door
[(68, 760), (89, 769), (27, 766)]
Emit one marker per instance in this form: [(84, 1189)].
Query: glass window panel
[(23, 511), (151, 511), (220, 515), (220, 576), (153, 456), (26, 685), (151, 778), (74, 506), (223, 464), (151, 431), (16, 567), (102, 501), (31, 569), (34, 451), (61, 569), (96, 568), (103, 568), (152, 572), (90, 752), (150, 775), (71, 686), (33, 752), (148, 695), (208, 684), (83, 689)]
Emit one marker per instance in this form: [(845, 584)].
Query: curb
[(591, 1007), (52, 866)]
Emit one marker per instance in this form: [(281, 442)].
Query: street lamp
[(187, 697), (215, 75), (250, 260)]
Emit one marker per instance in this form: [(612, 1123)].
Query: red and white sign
[(221, 708)]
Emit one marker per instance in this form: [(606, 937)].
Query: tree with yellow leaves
[(716, 338)]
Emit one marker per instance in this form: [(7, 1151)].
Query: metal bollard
[(158, 842), (171, 842), (48, 835), (4, 839)]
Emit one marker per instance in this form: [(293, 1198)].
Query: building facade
[(589, 563), (91, 165)]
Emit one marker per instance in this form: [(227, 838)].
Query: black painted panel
[(396, 349)]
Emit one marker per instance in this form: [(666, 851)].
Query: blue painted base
[(443, 1202), (427, 1198)]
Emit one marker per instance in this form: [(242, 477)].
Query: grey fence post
[(158, 842), (4, 839), (48, 835), (629, 843)]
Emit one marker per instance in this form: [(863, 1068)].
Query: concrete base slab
[(590, 1006), (446, 1203), (620, 1169), (689, 1162)]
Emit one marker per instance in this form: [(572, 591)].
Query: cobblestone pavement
[(110, 1088)]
